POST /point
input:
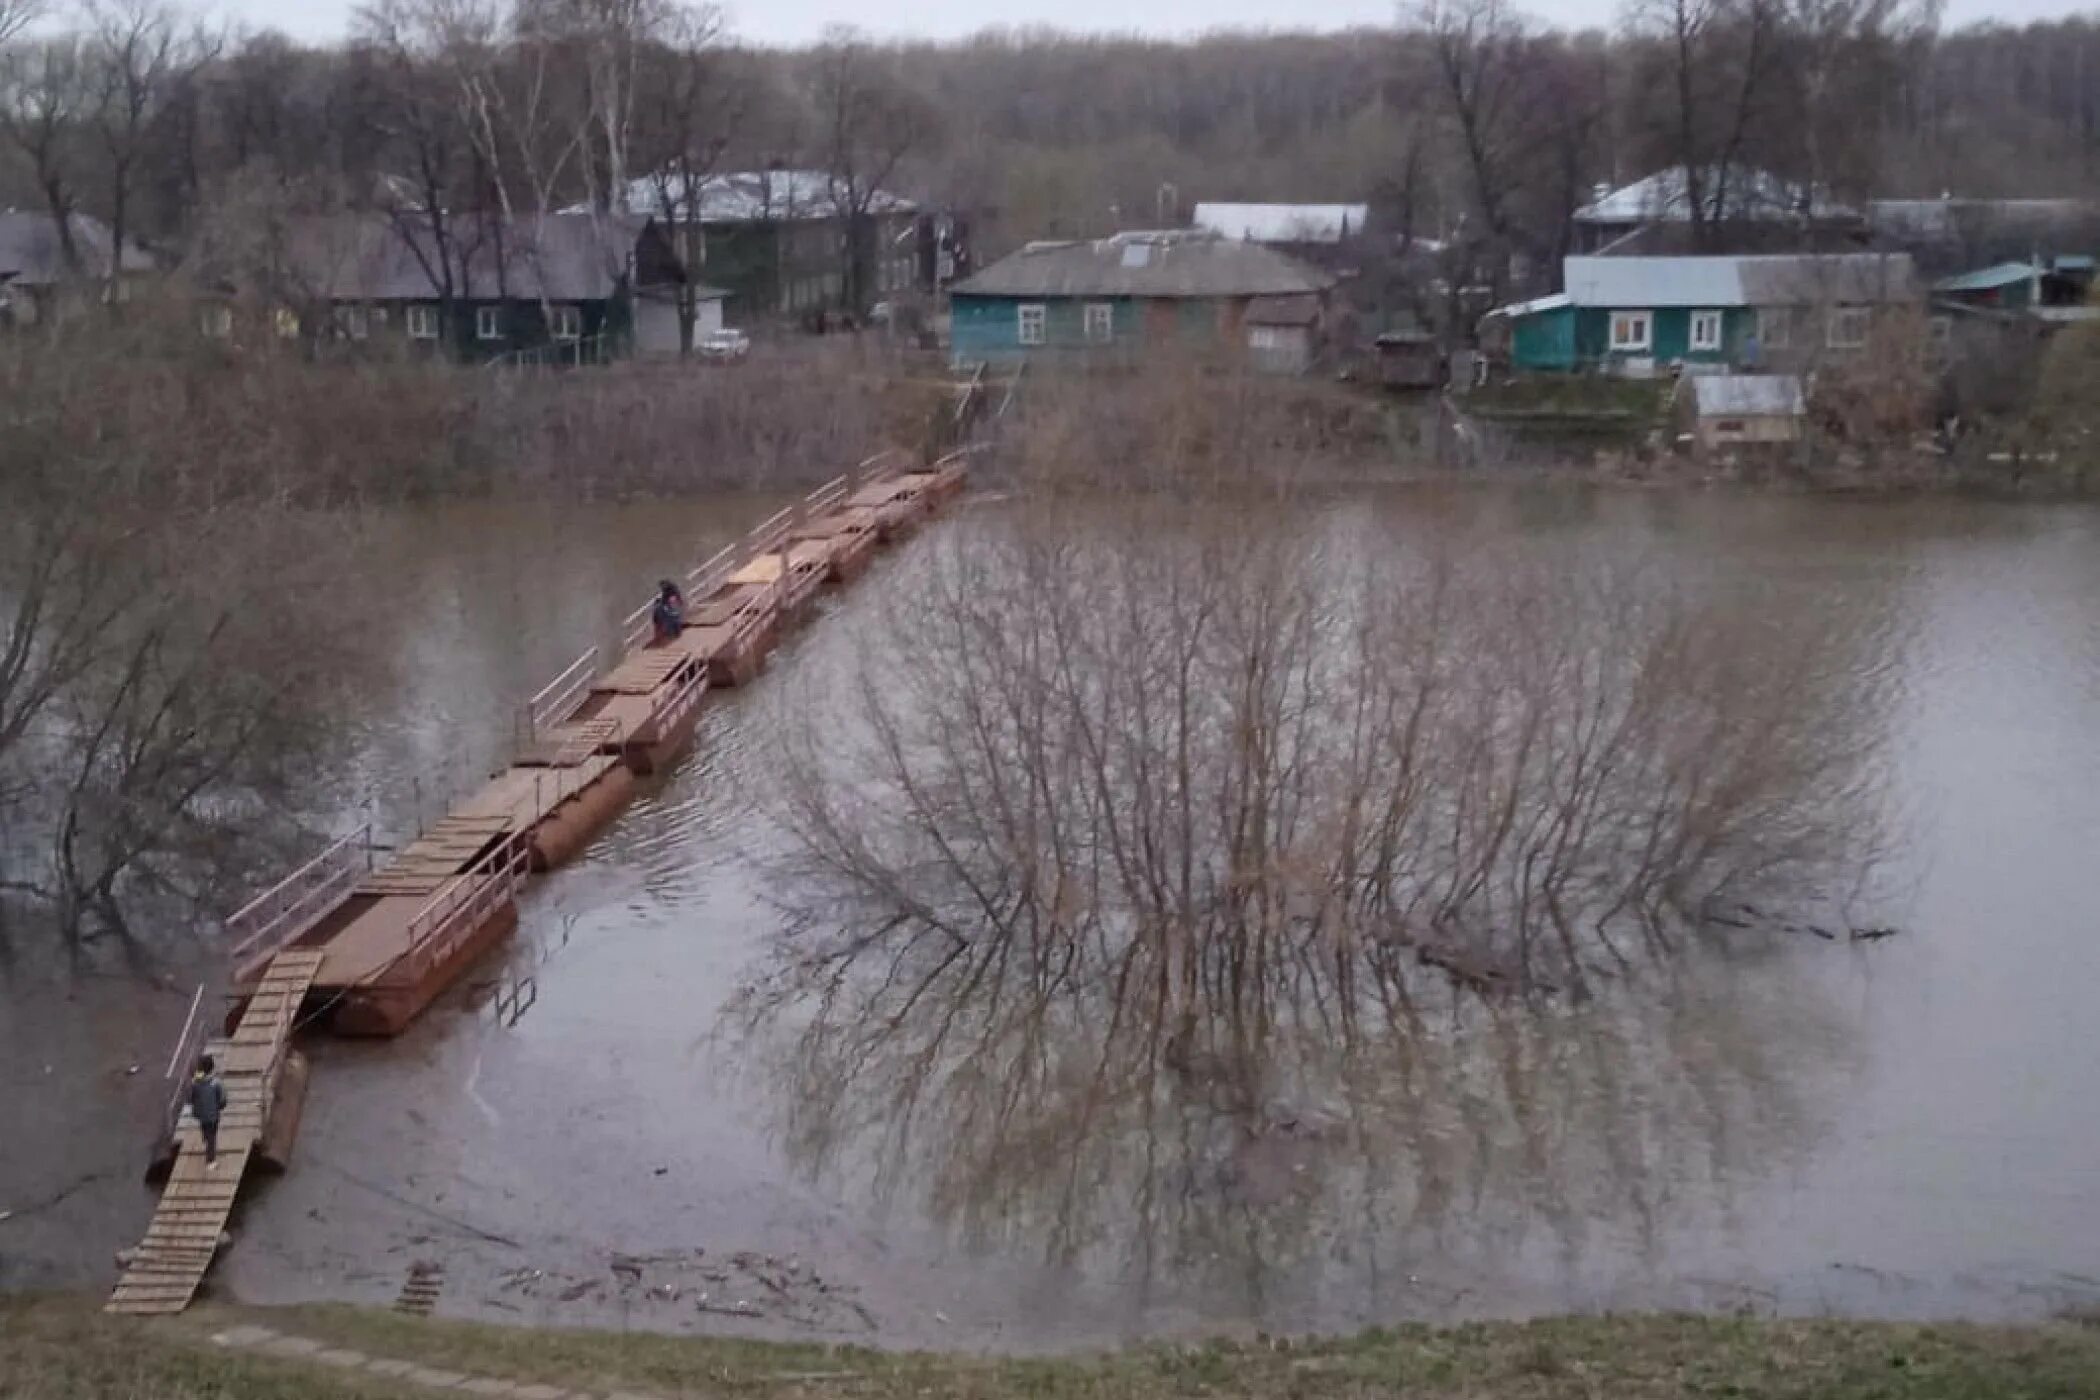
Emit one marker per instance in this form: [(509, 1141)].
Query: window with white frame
[(1848, 328), (488, 323), (285, 322), (566, 322), (1775, 327), (356, 323), (422, 323), (1632, 331), (1706, 331), (1100, 322), (218, 322), (1268, 338), (1032, 323)]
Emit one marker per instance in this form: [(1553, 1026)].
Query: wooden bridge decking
[(163, 1273), (380, 942)]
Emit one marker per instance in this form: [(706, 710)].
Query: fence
[(464, 905), (188, 1046), (276, 917), (559, 698)]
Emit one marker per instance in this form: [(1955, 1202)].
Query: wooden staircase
[(184, 1233)]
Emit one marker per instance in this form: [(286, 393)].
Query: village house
[(2049, 289), (558, 287), (39, 277), (1639, 315), (1949, 235), (775, 240), (1141, 293), (1294, 228), (1743, 209)]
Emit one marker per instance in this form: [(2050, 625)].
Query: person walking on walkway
[(207, 1102)]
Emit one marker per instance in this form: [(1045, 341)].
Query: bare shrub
[(169, 636), (1178, 879), (790, 415), (1290, 740), (1187, 421)]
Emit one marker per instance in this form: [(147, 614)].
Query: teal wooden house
[(1137, 295), (1639, 314)]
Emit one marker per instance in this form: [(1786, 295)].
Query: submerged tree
[(1151, 843)]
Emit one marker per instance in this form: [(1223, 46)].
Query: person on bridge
[(207, 1102), (667, 618)]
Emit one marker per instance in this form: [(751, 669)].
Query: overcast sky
[(799, 21)]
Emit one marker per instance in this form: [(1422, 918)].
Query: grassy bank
[(63, 1349)]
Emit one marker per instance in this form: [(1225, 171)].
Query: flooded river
[(1900, 1127)]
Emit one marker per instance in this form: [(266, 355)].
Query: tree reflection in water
[(1257, 908)]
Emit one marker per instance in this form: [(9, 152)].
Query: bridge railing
[(674, 708), (769, 536), (466, 903), (560, 697), (276, 917), (196, 1028), (826, 498)]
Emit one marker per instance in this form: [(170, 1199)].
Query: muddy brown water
[(1902, 1128)]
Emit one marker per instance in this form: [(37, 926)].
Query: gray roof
[(751, 196), (1282, 223), (371, 257), (1665, 197), (32, 255), (1793, 279), (1170, 264), (1747, 395)]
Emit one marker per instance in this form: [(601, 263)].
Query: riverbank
[(63, 1348)]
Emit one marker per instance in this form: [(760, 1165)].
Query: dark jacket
[(207, 1098)]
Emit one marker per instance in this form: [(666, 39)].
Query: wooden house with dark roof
[(1136, 295)]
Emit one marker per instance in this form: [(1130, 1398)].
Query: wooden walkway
[(378, 943), (163, 1274)]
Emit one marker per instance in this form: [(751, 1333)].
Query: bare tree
[(867, 123), (608, 41), (1713, 65), (46, 100), (140, 54), (694, 98), (418, 114)]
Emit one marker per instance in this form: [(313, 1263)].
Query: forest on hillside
[(1466, 120)]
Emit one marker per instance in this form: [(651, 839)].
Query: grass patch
[(64, 1349)]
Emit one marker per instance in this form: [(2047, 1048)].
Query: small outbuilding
[(1408, 360), (1736, 410)]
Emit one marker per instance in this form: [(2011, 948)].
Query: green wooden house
[(1640, 314), (1138, 295)]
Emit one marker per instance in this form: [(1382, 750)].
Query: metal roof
[(1534, 306), (1282, 223), (555, 257), (1664, 197), (1988, 279), (1747, 395), (32, 255), (1166, 264), (1803, 279), (750, 197)]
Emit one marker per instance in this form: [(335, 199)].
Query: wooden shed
[(1409, 360), (1734, 410)]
